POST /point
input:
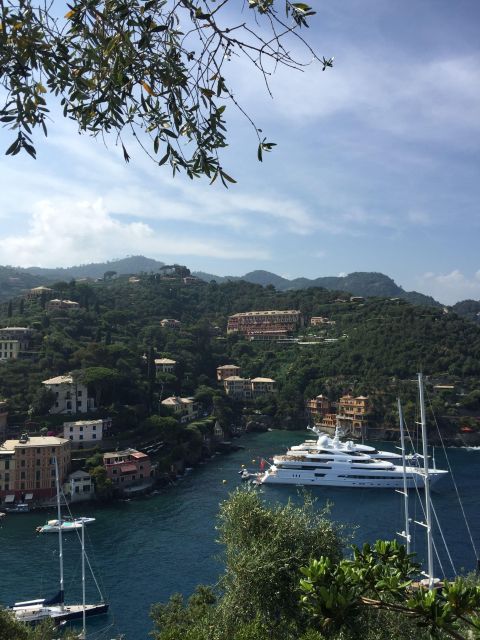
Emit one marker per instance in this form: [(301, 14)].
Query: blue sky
[(376, 168)]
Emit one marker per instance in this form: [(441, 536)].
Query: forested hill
[(360, 283), (365, 284), (375, 346), (129, 265)]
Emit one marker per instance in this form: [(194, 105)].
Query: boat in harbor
[(70, 524), (55, 609), (335, 463)]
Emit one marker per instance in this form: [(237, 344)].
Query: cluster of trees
[(114, 338), (286, 578)]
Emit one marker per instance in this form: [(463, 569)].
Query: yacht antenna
[(60, 540), (426, 484), (406, 533)]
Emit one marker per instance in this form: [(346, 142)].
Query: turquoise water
[(146, 549)]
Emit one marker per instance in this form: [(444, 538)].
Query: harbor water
[(144, 550)]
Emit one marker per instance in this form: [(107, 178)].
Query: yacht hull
[(283, 476)]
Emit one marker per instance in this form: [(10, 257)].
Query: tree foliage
[(381, 577), (155, 70)]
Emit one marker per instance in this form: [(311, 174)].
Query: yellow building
[(352, 414)]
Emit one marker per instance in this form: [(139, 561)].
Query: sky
[(376, 167)]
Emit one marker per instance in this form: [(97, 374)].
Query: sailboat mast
[(426, 480), (60, 540), (404, 464), (84, 612)]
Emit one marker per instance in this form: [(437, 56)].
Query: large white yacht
[(331, 462)]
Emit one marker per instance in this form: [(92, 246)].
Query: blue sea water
[(144, 550)]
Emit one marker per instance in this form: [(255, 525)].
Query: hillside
[(129, 265), (374, 347), (366, 284)]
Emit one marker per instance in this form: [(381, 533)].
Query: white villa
[(83, 431), (70, 396)]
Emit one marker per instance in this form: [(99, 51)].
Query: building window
[(86, 488), (37, 485), (22, 475), (79, 393), (52, 472), (71, 429), (71, 437), (94, 427), (37, 475), (22, 463), (81, 437), (94, 436), (7, 486)]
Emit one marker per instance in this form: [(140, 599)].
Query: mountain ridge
[(14, 281)]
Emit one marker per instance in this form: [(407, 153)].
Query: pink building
[(125, 468)]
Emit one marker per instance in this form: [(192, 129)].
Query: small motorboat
[(52, 526)]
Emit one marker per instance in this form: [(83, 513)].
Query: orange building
[(27, 467)]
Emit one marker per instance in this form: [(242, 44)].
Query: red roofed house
[(125, 468)]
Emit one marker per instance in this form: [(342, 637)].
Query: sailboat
[(430, 581), (34, 611)]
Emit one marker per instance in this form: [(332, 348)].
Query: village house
[(164, 365), (27, 467), (38, 292), (65, 305), (226, 371), (262, 386), (128, 467), (318, 407), (170, 323), (71, 396), (319, 320), (245, 388), (351, 414), (267, 325), (79, 487), (186, 409), (82, 431), (13, 341)]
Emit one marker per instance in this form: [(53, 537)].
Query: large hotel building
[(267, 325)]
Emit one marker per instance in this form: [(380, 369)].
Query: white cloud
[(63, 233), (450, 287)]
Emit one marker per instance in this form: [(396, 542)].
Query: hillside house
[(83, 431), (13, 342), (71, 396), (164, 365), (128, 467), (226, 371), (185, 409), (79, 487)]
